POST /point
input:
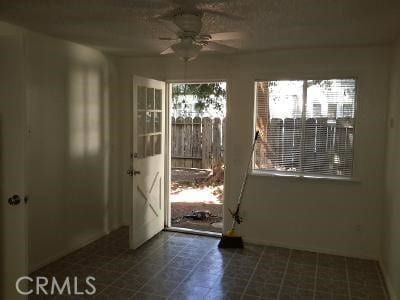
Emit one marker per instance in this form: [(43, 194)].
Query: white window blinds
[(307, 126)]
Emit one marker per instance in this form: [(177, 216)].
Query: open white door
[(148, 159), (13, 248)]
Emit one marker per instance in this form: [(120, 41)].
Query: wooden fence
[(197, 142), (327, 145)]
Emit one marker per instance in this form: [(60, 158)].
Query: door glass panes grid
[(149, 121), (307, 126)]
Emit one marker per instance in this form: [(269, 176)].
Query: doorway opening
[(198, 112)]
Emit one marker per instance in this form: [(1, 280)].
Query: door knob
[(14, 200), (132, 172)]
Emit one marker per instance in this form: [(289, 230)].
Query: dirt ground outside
[(195, 190)]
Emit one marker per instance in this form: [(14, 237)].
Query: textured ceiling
[(131, 27)]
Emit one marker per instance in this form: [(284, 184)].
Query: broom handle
[(244, 183)]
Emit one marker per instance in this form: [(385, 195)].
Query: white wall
[(73, 183), (391, 226), (329, 216)]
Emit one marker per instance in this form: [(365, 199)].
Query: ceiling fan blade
[(162, 38), (225, 36), (167, 51), (213, 46), (222, 14), (168, 24)]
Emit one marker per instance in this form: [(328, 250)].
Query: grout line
[(316, 277), (284, 274), (252, 274), (348, 279)]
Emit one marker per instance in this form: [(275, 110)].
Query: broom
[(230, 239)]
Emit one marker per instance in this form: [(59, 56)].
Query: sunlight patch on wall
[(84, 111), (76, 102), (93, 112)]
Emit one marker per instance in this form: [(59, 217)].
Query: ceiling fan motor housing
[(188, 23)]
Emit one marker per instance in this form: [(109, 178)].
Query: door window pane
[(157, 122), (158, 103), (157, 144), (141, 94), (150, 98), (149, 122), (141, 122)]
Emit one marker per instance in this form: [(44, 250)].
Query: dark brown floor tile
[(182, 262), (367, 291), (329, 296), (301, 269), (223, 294), (105, 276), (275, 266), (144, 270), (365, 278), (332, 286), (361, 265), (262, 290), (232, 284), (296, 294), (95, 261), (332, 273), (190, 293), (250, 297), (202, 279), (303, 257), (118, 265), (144, 296), (251, 250), (162, 288), (173, 274), (244, 260), (238, 271), (298, 282), (114, 293), (331, 261), (130, 282)]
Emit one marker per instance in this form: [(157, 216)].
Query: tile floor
[(182, 266)]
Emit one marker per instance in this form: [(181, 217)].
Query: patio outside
[(197, 172)]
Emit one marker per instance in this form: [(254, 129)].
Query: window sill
[(303, 176)]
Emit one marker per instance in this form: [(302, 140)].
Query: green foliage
[(207, 95)]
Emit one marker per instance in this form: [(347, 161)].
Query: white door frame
[(168, 126)]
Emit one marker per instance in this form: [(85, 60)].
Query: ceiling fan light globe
[(186, 51)]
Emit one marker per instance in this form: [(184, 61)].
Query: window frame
[(303, 175)]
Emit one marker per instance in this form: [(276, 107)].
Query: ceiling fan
[(190, 40)]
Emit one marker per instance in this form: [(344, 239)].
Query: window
[(302, 129), (332, 110), (316, 110)]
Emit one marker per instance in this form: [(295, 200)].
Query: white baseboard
[(71, 249), (306, 248), (388, 282)]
